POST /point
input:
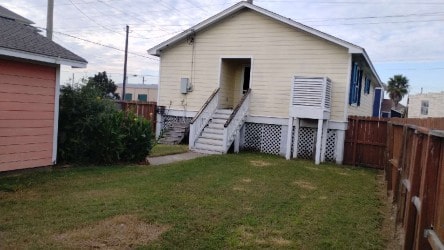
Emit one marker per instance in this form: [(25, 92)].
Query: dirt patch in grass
[(258, 163), (314, 168), (264, 237), (305, 185), (246, 180), (240, 189), (279, 241), (119, 232), (391, 233)]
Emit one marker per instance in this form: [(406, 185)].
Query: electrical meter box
[(184, 85)]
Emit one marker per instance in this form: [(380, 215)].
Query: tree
[(398, 87), (102, 83)]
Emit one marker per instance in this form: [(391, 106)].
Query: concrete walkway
[(159, 160)]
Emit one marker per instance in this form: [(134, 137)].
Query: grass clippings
[(119, 232)]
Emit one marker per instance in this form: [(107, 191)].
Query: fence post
[(427, 193)]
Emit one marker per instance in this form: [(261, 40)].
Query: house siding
[(278, 52), (366, 105), (435, 109), (151, 93), (26, 114)]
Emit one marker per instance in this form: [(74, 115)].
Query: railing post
[(191, 138), (224, 145)]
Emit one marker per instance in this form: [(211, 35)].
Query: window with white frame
[(424, 107)]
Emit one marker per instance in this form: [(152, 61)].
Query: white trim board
[(56, 116), (42, 58)]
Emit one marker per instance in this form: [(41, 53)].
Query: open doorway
[(235, 80), (246, 79)]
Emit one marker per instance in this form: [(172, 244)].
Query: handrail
[(239, 105), (204, 106), (235, 121), (201, 119)]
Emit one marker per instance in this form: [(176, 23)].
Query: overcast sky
[(401, 36)]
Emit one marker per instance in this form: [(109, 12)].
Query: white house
[(249, 78), (426, 105)]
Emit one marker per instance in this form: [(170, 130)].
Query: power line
[(100, 44), (83, 13)]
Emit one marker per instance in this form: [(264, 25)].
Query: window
[(142, 97), (367, 85), (424, 107), (355, 85), (128, 97)]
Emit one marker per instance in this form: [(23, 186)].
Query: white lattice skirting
[(267, 138), (264, 138)]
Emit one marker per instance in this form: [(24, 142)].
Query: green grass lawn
[(165, 149), (230, 201)]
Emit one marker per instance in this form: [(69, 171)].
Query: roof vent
[(250, 1)]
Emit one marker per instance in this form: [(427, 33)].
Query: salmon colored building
[(29, 93)]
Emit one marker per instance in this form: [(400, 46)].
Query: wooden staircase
[(175, 133), (212, 138)]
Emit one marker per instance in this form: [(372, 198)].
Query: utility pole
[(49, 19), (124, 64)]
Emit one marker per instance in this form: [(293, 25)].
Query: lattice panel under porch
[(307, 142), (265, 138), (331, 145)]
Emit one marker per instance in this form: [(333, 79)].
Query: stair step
[(224, 111), (221, 116), (216, 125), (209, 152), (218, 131), (203, 146), (210, 141), (218, 121), (212, 136)]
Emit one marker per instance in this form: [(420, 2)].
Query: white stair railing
[(203, 117), (236, 120)]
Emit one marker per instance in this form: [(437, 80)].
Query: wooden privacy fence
[(365, 142), (415, 176), (143, 109), (411, 151)]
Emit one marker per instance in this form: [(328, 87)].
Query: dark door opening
[(246, 84)]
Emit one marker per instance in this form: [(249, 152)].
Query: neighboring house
[(388, 109), (426, 105), (29, 93), (246, 75), (139, 92)]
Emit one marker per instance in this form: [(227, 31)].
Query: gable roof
[(388, 105), (352, 48), (13, 16), (19, 39)]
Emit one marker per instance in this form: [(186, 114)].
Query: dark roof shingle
[(13, 16), (20, 36)]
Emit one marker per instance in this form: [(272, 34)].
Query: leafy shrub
[(93, 130)]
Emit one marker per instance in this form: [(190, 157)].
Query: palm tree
[(398, 87)]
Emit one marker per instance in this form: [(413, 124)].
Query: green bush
[(93, 130)]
